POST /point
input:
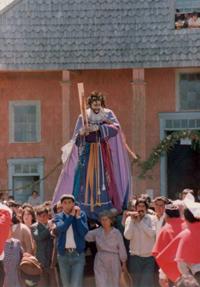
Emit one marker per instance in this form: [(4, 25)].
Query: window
[(25, 176), (188, 90), (24, 121), (187, 14)]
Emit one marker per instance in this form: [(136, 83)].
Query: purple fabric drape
[(120, 163)]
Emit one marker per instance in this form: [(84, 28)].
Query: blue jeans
[(142, 269), (71, 267)]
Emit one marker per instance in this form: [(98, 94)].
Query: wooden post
[(139, 124), (82, 103), (65, 90)]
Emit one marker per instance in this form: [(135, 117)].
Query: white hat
[(5, 207), (194, 207)]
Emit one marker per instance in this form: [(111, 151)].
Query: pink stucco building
[(148, 71)]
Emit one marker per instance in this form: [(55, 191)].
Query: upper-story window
[(188, 89), (187, 14), (24, 121)]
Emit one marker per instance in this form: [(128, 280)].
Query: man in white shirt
[(159, 207), (140, 230), (159, 220)]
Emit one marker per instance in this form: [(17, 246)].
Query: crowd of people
[(152, 243), (155, 241), (187, 20)]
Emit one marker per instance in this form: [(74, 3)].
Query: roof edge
[(99, 66)]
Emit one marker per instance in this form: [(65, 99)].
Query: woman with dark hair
[(28, 216), (111, 253), (23, 233)]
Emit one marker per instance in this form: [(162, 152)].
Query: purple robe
[(113, 168)]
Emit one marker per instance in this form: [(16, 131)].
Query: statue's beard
[(96, 117)]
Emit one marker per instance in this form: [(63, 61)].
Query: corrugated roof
[(92, 34)]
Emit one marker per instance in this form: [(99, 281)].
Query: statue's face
[(96, 107)]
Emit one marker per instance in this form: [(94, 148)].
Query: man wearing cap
[(5, 223), (71, 228)]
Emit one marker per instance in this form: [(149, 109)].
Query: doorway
[(180, 168), (183, 169)]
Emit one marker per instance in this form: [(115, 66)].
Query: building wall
[(160, 97), (44, 87), (115, 84)]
